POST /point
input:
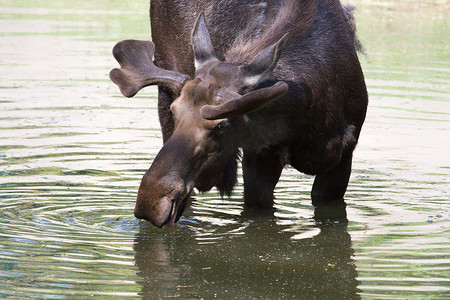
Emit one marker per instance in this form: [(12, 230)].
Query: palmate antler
[(245, 104), (138, 71)]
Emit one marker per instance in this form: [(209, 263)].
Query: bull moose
[(268, 83)]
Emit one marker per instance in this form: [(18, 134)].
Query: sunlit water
[(73, 150)]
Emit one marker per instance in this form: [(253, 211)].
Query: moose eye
[(223, 125)]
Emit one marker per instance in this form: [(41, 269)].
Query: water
[(73, 150)]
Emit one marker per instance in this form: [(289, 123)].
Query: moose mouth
[(175, 212)]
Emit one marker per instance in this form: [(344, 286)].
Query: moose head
[(209, 118)]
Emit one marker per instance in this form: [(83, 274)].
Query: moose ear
[(138, 71), (262, 65), (201, 43)]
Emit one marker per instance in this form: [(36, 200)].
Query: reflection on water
[(72, 152), (252, 259)]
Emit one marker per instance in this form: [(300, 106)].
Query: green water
[(73, 150)]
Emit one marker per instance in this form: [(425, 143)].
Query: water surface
[(73, 150)]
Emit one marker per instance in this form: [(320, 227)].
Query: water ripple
[(73, 151)]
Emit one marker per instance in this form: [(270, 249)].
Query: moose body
[(273, 82)]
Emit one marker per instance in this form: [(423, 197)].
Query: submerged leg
[(332, 185), (261, 173)]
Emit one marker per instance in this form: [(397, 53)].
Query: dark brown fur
[(311, 122)]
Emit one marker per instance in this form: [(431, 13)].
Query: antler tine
[(138, 71)]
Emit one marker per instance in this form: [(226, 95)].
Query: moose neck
[(256, 132)]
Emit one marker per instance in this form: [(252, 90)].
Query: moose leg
[(261, 172), (333, 184), (165, 116)]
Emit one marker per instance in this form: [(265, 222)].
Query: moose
[(267, 83)]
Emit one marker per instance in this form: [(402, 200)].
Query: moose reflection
[(254, 258)]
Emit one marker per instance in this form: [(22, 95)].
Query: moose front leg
[(332, 185), (261, 172), (165, 99)]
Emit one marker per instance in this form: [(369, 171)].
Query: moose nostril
[(141, 210), (139, 213)]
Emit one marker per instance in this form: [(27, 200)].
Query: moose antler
[(138, 71), (248, 103)]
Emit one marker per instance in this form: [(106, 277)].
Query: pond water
[(73, 150)]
